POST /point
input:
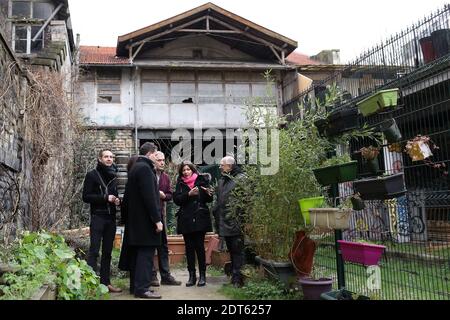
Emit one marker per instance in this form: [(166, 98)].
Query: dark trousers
[(163, 257), (141, 266), (195, 244), (102, 232), (235, 246)]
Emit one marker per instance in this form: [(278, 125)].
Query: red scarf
[(191, 180)]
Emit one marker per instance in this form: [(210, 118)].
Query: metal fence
[(414, 227)]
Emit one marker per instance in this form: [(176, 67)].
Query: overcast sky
[(349, 25)]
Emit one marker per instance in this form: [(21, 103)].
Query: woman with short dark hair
[(193, 192)]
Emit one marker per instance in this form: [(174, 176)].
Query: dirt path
[(208, 292)]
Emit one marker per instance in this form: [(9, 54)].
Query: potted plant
[(313, 287), (420, 148), (342, 120), (308, 203), (370, 155), (331, 218), (362, 252), (270, 202), (379, 188), (391, 131), (357, 202), (380, 100), (336, 170)]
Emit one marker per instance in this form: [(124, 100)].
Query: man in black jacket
[(228, 218), (100, 191), (143, 222)]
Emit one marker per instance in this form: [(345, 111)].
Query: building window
[(31, 10), (22, 39), (108, 86)]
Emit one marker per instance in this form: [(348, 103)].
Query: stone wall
[(115, 139), (13, 168)]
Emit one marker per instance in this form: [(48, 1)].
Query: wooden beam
[(209, 31), (276, 55), (207, 22), (246, 34), (167, 32), (137, 51), (47, 21)]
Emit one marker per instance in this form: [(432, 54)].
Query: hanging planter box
[(362, 253), (378, 101), (380, 188), (337, 174), (309, 203), (391, 131), (330, 218), (341, 121)]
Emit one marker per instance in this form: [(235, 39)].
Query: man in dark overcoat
[(143, 223)]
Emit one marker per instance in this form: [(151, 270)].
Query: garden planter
[(372, 165), (337, 174), (427, 49), (308, 203), (176, 248), (362, 253), (380, 188), (358, 203), (313, 288), (341, 121), (219, 258), (441, 42), (378, 101), (391, 131), (283, 271), (330, 218), (342, 295)]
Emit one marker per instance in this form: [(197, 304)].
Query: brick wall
[(115, 139)]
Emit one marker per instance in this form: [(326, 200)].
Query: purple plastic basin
[(362, 253)]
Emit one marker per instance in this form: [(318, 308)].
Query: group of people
[(143, 213)]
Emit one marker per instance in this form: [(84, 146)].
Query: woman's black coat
[(194, 214)]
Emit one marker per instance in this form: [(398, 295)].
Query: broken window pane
[(21, 9), (108, 92), (42, 10)]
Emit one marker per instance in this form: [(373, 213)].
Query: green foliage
[(45, 258), (334, 161)]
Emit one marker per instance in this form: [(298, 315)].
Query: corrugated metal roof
[(101, 55)]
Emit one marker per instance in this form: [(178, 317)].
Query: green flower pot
[(309, 203), (378, 101), (337, 174)]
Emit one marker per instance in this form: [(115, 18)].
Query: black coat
[(96, 194), (194, 214), (140, 207), (228, 219)]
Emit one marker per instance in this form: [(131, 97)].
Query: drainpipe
[(136, 140)]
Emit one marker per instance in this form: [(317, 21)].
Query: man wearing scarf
[(100, 191)]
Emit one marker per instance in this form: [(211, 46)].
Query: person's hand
[(159, 227), (112, 198), (209, 191), (162, 195), (117, 202), (193, 192)]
